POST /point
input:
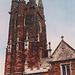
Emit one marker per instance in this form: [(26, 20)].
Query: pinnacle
[(40, 5)]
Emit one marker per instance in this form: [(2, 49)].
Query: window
[(40, 27), (66, 69)]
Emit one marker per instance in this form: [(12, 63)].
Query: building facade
[(27, 42), (62, 61), (26, 52)]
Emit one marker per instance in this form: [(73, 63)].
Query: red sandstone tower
[(27, 42)]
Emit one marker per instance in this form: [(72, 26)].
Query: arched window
[(40, 27)]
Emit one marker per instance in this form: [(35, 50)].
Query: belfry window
[(40, 27), (65, 69)]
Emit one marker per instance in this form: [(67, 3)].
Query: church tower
[(27, 42)]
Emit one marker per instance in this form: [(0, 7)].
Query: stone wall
[(56, 67)]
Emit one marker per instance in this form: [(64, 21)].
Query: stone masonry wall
[(56, 68)]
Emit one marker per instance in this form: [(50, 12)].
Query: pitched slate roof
[(63, 52)]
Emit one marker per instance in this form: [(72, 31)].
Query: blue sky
[(60, 20)]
